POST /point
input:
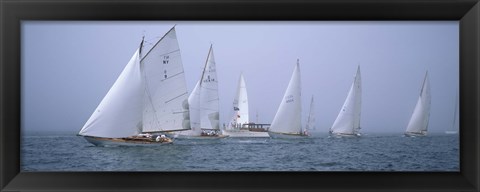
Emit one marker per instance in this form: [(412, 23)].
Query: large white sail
[(209, 101), (310, 125), (240, 104), (418, 123), (119, 114), (287, 120), (165, 105), (194, 108), (348, 119)]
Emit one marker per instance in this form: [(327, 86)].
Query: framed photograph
[(239, 96)]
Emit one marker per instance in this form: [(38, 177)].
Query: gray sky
[(68, 67)]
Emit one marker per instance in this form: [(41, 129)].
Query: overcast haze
[(68, 67)]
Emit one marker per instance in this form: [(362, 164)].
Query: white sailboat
[(287, 121), (148, 98), (348, 119), (310, 125), (418, 124), (454, 128), (204, 102), (240, 125)]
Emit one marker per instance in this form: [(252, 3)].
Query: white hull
[(286, 136), (345, 135), (451, 132), (245, 133), (200, 137), (97, 141), (411, 134)]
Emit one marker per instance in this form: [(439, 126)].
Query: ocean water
[(371, 152)]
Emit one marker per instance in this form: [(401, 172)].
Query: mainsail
[(418, 124), (288, 118), (348, 120), (240, 104), (150, 95), (209, 101), (165, 105)]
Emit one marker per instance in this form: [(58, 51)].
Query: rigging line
[(149, 96)]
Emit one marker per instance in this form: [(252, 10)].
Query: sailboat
[(240, 125), (348, 119), (310, 125), (148, 98), (418, 124), (454, 128), (287, 121), (204, 102)]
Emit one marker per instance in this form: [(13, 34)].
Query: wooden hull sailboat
[(146, 100), (128, 141)]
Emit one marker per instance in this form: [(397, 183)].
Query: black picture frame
[(13, 12)]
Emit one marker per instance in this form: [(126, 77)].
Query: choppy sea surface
[(371, 152)]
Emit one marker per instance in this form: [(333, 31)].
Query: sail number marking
[(289, 99)]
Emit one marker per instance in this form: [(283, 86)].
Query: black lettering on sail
[(166, 59)]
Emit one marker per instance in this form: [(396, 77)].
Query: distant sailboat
[(287, 121), (310, 125), (348, 120), (240, 125), (454, 128), (148, 98), (204, 101), (418, 124)]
